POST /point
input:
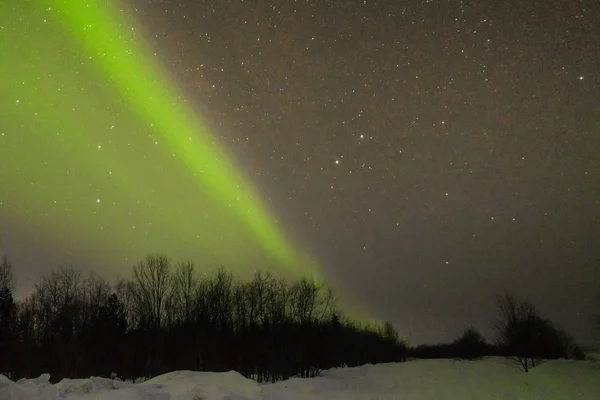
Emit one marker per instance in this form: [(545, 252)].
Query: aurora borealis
[(92, 130), (421, 155)]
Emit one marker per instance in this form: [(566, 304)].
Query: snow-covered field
[(492, 378)]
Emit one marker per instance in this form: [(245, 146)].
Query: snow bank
[(188, 385), (179, 385), (28, 389), (79, 387), (492, 378)]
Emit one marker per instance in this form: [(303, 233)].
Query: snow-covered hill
[(492, 378)]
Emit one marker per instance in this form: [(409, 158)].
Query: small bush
[(471, 345)]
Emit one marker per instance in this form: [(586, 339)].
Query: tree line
[(522, 335), (168, 317)]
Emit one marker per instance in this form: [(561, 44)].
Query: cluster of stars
[(394, 133)]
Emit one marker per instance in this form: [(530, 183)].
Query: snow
[(491, 378), (28, 389)]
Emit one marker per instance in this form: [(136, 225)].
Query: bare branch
[(7, 279)]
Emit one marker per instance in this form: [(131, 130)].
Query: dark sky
[(429, 153)]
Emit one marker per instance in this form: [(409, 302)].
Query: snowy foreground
[(491, 378)]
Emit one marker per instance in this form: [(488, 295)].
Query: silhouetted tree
[(8, 330), (598, 314), (125, 291), (106, 337), (183, 292), (59, 318), (526, 336), (390, 333), (163, 320), (31, 359), (152, 279), (471, 345), (7, 279), (8, 314), (8, 318)]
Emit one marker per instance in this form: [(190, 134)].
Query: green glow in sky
[(101, 152)]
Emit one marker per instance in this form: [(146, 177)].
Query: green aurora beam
[(100, 151)]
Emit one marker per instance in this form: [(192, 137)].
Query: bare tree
[(240, 306), (125, 291), (304, 300), (327, 304), (509, 328), (220, 299), (57, 292), (7, 279), (95, 293), (598, 314), (152, 283), (59, 317), (528, 337), (311, 301), (256, 297), (184, 284), (278, 300), (8, 314)]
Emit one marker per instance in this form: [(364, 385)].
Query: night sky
[(424, 155)]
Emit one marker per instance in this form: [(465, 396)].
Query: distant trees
[(526, 337), (168, 317), (7, 279), (522, 335), (8, 318), (471, 345), (598, 314)]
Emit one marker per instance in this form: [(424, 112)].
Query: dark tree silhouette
[(152, 279), (8, 317), (598, 314), (168, 319), (527, 337), (471, 345), (8, 331), (267, 329), (7, 279)]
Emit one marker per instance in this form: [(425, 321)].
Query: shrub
[(471, 345)]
